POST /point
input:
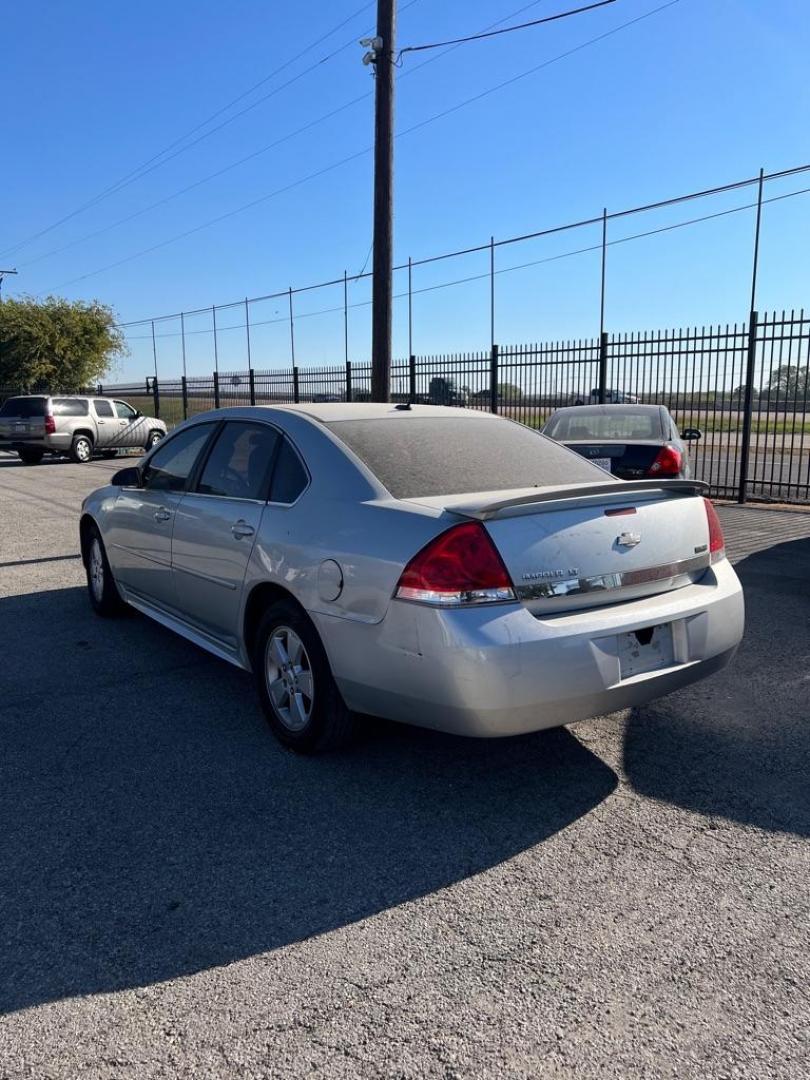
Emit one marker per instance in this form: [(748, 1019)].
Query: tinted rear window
[(69, 407), (422, 456), (24, 407), (614, 423)]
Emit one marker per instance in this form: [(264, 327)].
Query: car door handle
[(241, 529), (162, 514), (101, 421)]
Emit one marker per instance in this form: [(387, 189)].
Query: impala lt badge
[(546, 575), (628, 539)]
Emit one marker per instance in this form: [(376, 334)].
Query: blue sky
[(699, 94)]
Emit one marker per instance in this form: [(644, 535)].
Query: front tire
[(81, 450), (154, 439), (104, 596), (299, 696), (31, 457)]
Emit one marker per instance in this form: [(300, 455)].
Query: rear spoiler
[(482, 511)]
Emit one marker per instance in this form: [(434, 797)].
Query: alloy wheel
[(288, 673), (96, 569)]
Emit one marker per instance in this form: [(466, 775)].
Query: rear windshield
[(615, 423), (24, 407), (422, 456), (69, 407)]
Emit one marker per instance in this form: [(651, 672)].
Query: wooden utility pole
[(381, 321)]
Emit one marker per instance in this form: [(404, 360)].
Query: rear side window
[(69, 407), (169, 468), (239, 464), (422, 456), (24, 407), (102, 407), (289, 475)]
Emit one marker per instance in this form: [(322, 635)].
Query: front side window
[(69, 407), (169, 468), (103, 408), (124, 411), (239, 464)]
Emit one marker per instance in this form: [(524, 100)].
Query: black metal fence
[(746, 386)]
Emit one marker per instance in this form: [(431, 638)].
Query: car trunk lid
[(595, 544), (629, 460)]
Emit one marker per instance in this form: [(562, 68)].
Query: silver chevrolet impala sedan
[(437, 566)]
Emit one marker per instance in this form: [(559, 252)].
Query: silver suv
[(39, 424)]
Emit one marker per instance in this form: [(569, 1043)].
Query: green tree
[(738, 393), (508, 393), (789, 381), (57, 344)]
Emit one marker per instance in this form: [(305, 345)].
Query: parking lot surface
[(179, 897)]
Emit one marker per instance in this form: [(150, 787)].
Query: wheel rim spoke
[(278, 692), (278, 652), (305, 684), (298, 711), (295, 649)]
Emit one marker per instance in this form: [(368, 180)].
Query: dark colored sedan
[(629, 441)]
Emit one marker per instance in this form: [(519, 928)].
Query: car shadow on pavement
[(151, 826), (738, 745)]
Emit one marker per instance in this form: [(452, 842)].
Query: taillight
[(717, 543), (668, 462), (461, 566), (50, 425)]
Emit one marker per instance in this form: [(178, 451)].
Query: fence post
[(184, 388), (216, 389), (412, 378), (603, 349), (252, 387), (493, 379), (156, 397), (295, 385), (745, 449), (348, 380)]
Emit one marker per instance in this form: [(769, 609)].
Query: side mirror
[(138, 414), (130, 477), (692, 434)]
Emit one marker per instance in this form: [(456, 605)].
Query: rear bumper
[(49, 444), (501, 671)]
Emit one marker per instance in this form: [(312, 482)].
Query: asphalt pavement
[(179, 897)]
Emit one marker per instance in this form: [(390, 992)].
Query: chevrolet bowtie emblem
[(628, 539)]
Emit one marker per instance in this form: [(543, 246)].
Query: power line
[(469, 278), (505, 30), (248, 157), (155, 161), (665, 203), (360, 153)]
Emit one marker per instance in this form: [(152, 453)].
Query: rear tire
[(104, 596), (81, 450), (299, 695), (31, 457)]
